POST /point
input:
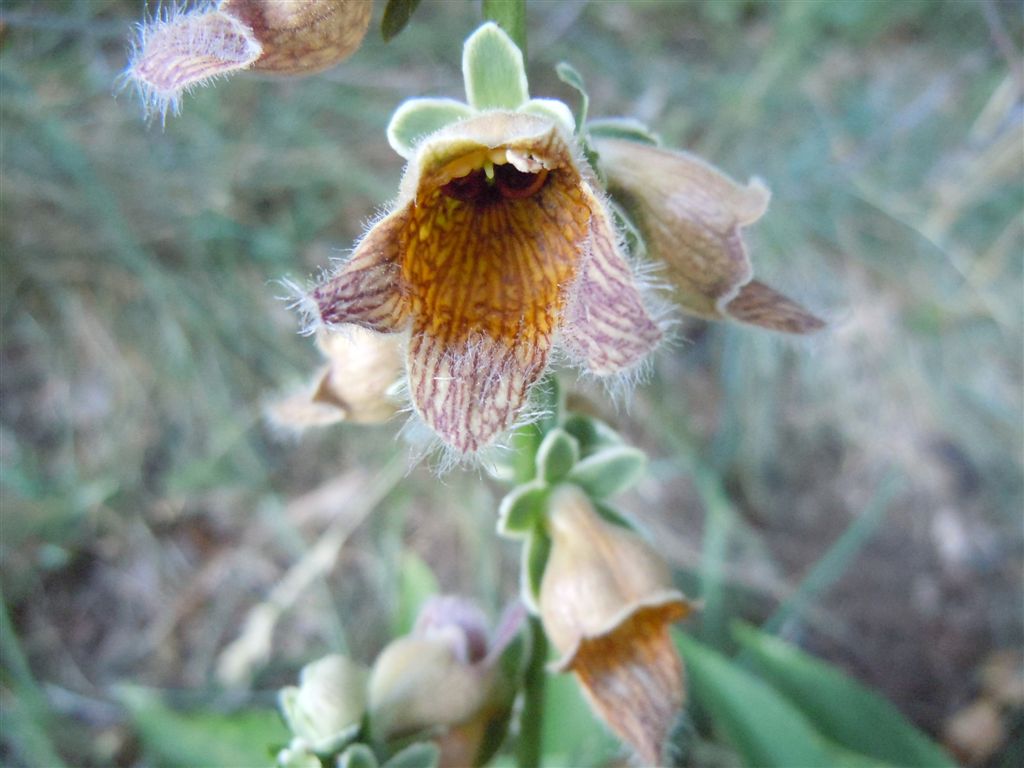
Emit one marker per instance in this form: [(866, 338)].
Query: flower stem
[(510, 15), (528, 750)]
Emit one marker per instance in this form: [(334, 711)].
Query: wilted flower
[(183, 49), (354, 386), (499, 248), (444, 676), (607, 601), (327, 706), (690, 215)]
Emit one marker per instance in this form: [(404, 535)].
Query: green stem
[(528, 751), (510, 15)]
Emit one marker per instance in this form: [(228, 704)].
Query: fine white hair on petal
[(301, 301), (180, 48)]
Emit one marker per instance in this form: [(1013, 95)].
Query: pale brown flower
[(183, 49), (690, 215), (354, 386), (607, 603)]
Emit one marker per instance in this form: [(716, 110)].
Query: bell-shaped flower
[(499, 249), (606, 602), (328, 705), (444, 678), (690, 215), (183, 49), (354, 386)]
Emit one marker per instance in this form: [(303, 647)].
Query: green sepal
[(592, 434), (357, 756), (567, 74), (415, 119), (553, 110), (625, 224), (535, 559), (493, 70), (522, 509), (613, 516), (422, 754), (626, 128), (396, 16), (609, 471), (557, 455)]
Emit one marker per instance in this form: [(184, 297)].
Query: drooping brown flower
[(183, 49), (607, 603), (499, 248), (690, 215)]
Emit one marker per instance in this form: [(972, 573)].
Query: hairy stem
[(528, 751)]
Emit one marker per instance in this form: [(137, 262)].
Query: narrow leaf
[(622, 128), (591, 433), (396, 16), (357, 756), (758, 722), (417, 582), (567, 74), (843, 710)]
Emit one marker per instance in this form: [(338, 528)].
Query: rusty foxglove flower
[(607, 602), (443, 678), (690, 215), (499, 248), (183, 49), (354, 386)]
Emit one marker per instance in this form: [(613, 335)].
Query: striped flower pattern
[(499, 250)]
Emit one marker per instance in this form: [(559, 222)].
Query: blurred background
[(168, 560)]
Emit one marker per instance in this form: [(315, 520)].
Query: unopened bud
[(329, 703), (439, 676), (607, 602)]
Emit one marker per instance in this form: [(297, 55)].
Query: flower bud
[(302, 36), (329, 703), (690, 215), (186, 48), (607, 601), (435, 677), (354, 385)]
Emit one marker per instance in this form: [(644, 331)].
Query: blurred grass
[(147, 510)]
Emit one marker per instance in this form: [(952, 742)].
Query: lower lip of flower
[(506, 182)]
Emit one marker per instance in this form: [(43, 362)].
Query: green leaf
[(492, 67), (557, 455), (623, 128), (609, 471), (357, 756), (758, 722), (567, 74), (416, 119), (422, 754), (521, 509), (535, 559), (572, 734), (416, 583), (396, 16), (842, 709), (591, 433), (174, 739), (510, 16)]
